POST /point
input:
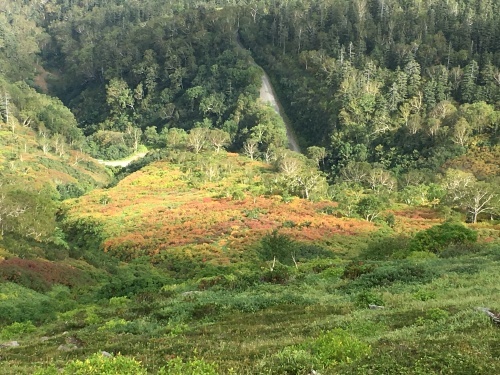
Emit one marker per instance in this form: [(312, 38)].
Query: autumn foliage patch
[(40, 275)]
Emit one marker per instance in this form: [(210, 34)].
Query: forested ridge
[(221, 251)]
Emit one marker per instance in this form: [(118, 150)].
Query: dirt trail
[(267, 95), (124, 162)]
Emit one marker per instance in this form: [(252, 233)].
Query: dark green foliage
[(277, 246), (355, 269), (136, 277), (71, 190), (82, 178), (366, 298), (460, 249), (370, 207), (437, 238), (20, 304), (287, 251), (278, 274), (386, 248), (403, 272), (238, 280)]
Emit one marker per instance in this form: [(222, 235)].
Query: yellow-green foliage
[(173, 209), (98, 364)]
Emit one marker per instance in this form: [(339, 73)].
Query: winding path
[(267, 95)]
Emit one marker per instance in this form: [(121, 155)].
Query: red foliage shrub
[(40, 275)]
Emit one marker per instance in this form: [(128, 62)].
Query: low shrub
[(437, 314), (194, 366), (279, 274), (355, 269), (338, 346), (98, 364), (19, 304), (387, 248), (278, 246), (389, 274), (460, 249), (424, 295), (134, 278), (289, 361), (135, 327), (366, 298), (439, 237), (17, 329)]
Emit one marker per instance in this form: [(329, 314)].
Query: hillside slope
[(211, 207)]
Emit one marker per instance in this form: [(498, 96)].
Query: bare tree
[(289, 165), (218, 138), (379, 178), (461, 132), (250, 147), (197, 139), (480, 197)]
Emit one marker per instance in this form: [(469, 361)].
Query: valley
[(249, 187)]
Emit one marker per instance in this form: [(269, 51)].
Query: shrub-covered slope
[(211, 207)]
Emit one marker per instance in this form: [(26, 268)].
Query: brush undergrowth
[(266, 317)]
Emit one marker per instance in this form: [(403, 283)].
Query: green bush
[(424, 295), (194, 366), (16, 329), (289, 361), (355, 269), (135, 327), (19, 304), (387, 248), (131, 279), (439, 237), (389, 274), (72, 190), (279, 246), (366, 298), (460, 249), (280, 274), (437, 314), (338, 346)]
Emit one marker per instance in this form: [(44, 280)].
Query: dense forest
[(205, 253)]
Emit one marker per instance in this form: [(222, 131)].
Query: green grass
[(247, 326)]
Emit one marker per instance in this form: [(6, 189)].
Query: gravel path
[(267, 95), (122, 163)]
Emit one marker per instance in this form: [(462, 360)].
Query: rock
[(74, 340), (191, 292), (10, 344), (375, 307), (67, 347), (106, 354), (44, 338)]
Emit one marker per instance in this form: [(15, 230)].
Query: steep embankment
[(26, 157)]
